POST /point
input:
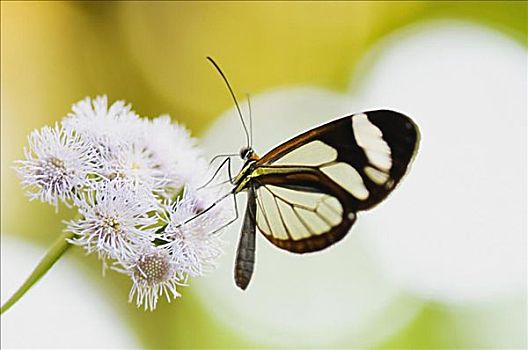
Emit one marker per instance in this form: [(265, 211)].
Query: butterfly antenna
[(234, 98), (250, 122)]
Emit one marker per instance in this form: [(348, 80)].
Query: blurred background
[(441, 264)]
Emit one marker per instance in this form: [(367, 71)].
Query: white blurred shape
[(63, 310), (456, 228)]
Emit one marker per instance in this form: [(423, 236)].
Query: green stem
[(59, 247)]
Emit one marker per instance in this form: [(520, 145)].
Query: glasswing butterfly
[(304, 195)]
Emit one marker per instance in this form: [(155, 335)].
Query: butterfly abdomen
[(245, 258)]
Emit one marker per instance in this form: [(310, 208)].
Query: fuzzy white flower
[(194, 246), (134, 184), (106, 127), (134, 163), (115, 220), (183, 163), (57, 163), (154, 273)]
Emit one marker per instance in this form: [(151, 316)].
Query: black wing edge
[(316, 242), (401, 134), (403, 137)]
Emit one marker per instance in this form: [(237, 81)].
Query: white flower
[(158, 154), (57, 164), (182, 162), (154, 273), (193, 244), (131, 180), (115, 220), (106, 127), (183, 251), (136, 164)]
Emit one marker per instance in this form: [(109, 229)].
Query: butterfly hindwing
[(302, 211)]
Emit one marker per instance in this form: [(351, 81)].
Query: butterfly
[(305, 194)]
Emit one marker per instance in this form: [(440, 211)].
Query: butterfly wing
[(302, 211), (310, 188)]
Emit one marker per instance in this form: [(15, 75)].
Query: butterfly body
[(304, 195)]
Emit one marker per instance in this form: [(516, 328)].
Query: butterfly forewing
[(310, 188)]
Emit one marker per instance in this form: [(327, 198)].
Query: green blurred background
[(152, 54)]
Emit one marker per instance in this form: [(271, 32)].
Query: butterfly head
[(247, 153)]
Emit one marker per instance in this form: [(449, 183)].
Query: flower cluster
[(135, 183)]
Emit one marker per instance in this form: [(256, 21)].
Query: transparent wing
[(305, 217)]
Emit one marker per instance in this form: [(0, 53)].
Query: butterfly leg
[(214, 204), (232, 220), (245, 257), (227, 161)]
